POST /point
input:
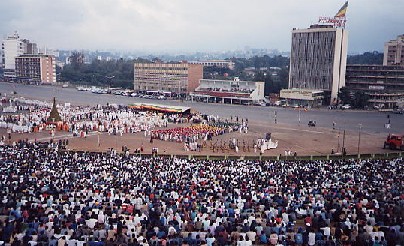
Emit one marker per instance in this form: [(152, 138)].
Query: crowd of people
[(80, 120), (195, 136), (188, 134), (53, 197), (33, 116)]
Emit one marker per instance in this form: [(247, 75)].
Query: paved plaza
[(302, 140), (291, 129)]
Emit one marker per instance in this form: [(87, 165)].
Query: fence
[(391, 155)]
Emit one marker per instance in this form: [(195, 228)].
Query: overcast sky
[(192, 25)]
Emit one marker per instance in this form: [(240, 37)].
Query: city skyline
[(191, 26)]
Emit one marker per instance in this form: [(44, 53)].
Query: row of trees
[(119, 73), (366, 58), (114, 73), (274, 71)]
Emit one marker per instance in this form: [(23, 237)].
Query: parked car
[(312, 123), (398, 111), (346, 106), (161, 98)]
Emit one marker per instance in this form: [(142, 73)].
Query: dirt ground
[(303, 140)]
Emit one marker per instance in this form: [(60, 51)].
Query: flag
[(342, 11)]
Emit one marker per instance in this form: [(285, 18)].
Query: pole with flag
[(342, 11)]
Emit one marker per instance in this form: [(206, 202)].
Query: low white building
[(302, 97), (229, 91), (216, 63)]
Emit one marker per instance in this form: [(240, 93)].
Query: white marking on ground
[(63, 136), (298, 129)]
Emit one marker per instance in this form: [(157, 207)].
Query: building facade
[(383, 84), (216, 63), (12, 47), (38, 69), (318, 60), (302, 97), (394, 52), (180, 78), (229, 91)]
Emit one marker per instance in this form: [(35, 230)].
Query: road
[(370, 121)]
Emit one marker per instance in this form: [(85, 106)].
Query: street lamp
[(339, 133), (343, 144), (300, 92), (275, 116), (359, 138), (299, 116)]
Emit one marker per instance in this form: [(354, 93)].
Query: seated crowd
[(84, 198)]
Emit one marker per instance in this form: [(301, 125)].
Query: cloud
[(192, 25)]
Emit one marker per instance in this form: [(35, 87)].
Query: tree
[(211, 72), (357, 99), (77, 60), (366, 58), (344, 96), (99, 73), (360, 100)]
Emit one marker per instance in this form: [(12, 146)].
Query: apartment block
[(180, 78), (38, 69), (12, 47), (394, 51), (383, 84)]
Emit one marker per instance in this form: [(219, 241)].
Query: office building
[(394, 52), (36, 69), (318, 60), (229, 91), (383, 84), (180, 78)]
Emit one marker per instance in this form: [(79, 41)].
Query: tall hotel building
[(181, 78), (318, 60), (394, 52)]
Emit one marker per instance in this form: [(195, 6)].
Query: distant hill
[(374, 57)]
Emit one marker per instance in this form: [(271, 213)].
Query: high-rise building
[(39, 69), (13, 47), (394, 52), (318, 60), (180, 78)]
